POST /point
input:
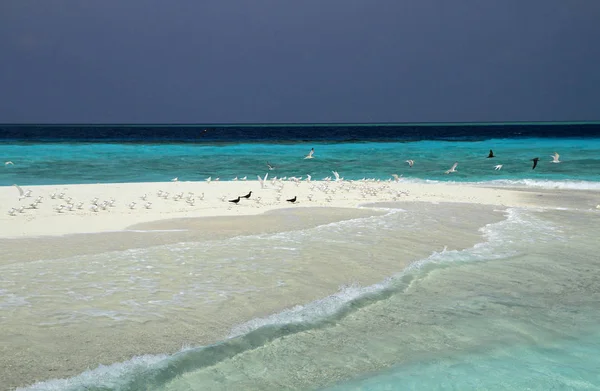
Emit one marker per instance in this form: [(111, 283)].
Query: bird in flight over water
[(310, 154), (271, 167), (498, 167), (535, 161), (452, 169), (410, 162), (555, 157), (491, 154)]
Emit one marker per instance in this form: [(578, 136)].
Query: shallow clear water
[(513, 312)]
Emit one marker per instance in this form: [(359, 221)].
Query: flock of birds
[(69, 204), (555, 159)]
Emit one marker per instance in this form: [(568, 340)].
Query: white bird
[(396, 178), (12, 211), (262, 180), (147, 205), (21, 192), (244, 178), (452, 169), (235, 179), (144, 197), (60, 208), (201, 197), (498, 167), (9, 163), (132, 205), (337, 176), (94, 208), (80, 205), (555, 158), (208, 179), (308, 178), (410, 162), (310, 154), (175, 179)]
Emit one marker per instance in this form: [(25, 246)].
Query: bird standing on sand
[(247, 195), (292, 200), (535, 161), (310, 154), (555, 158), (236, 200), (410, 162), (491, 154), (452, 169)]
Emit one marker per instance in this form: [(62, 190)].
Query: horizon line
[(307, 124)]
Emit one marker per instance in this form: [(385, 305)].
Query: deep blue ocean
[(61, 154)]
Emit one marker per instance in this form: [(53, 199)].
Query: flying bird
[(396, 177), (555, 158), (535, 161), (9, 163), (491, 154), (310, 154), (452, 169), (292, 200), (410, 162), (235, 201), (498, 167), (247, 195), (271, 167)]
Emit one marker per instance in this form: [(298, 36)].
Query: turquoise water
[(60, 163)]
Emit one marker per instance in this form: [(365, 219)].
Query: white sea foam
[(543, 184), (533, 183), (113, 377), (497, 236)]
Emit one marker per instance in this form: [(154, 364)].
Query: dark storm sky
[(197, 61)]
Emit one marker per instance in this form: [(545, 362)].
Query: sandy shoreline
[(30, 351), (37, 344), (202, 199)]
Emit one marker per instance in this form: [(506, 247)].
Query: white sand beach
[(70, 209), (87, 287)]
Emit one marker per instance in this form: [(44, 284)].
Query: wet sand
[(37, 345)]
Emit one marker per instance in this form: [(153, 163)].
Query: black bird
[(535, 160), (271, 167), (292, 200), (491, 154), (247, 195), (235, 201)]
